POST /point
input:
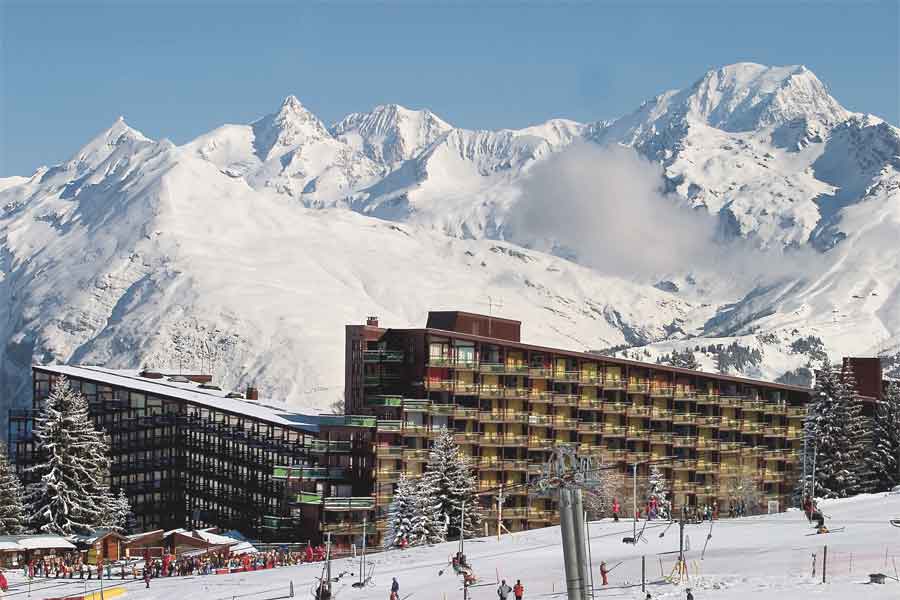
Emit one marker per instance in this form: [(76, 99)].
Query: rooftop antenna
[(492, 304)]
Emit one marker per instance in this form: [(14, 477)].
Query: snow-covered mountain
[(251, 246)]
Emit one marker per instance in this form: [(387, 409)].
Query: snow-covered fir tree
[(12, 511), (658, 488), (71, 494), (834, 429), (883, 457), (598, 497), (429, 525), (402, 513), (448, 482)]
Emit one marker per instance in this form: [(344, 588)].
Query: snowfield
[(756, 557)]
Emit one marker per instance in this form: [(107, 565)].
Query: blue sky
[(178, 69)]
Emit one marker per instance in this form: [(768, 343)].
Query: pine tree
[(71, 495), (658, 487), (12, 512), (835, 427), (402, 513), (447, 483), (118, 511), (883, 458)]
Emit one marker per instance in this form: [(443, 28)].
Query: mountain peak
[(106, 142), (746, 96), (292, 126), (390, 133)]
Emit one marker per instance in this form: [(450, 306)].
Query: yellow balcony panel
[(661, 391), (610, 430), (615, 407), (590, 427), (467, 437), (707, 421), (726, 423), (438, 385), (460, 413), (589, 378), (796, 412), (776, 408), (565, 399), (491, 391), (507, 416), (613, 383), (497, 439), (540, 397), (639, 411), (753, 405), (705, 443), (707, 398), (685, 394), (684, 441), (539, 443), (731, 446), (567, 376), (614, 455), (684, 464), (775, 431), (637, 457), (689, 418), (752, 427), (588, 403), (661, 437), (660, 414), (638, 387), (538, 373), (416, 455), (705, 466), (389, 451), (466, 388), (731, 401), (635, 433)]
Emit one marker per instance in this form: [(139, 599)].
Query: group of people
[(65, 567)]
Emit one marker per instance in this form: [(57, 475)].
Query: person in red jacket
[(616, 509), (604, 572), (518, 590), (309, 553)]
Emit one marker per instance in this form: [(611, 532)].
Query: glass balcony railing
[(386, 356)]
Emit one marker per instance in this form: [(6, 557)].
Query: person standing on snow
[(518, 590), (604, 572), (616, 509), (689, 596), (395, 589), (504, 590)]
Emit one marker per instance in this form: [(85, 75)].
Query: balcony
[(753, 405), (661, 437), (684, 441), (538, 373), (589, 403), (635, 433), (567, 376), (752, 427), (467, 437), (345, 503), (638, 388), (591, 378), (683, 394), (775, 455), (705, 443), (382, 356), (794, 433), (731, 446), (775, 431), (589, 427), (639, 411), (661, 391), (705, 466), (465, 388), (591, 449), (686, 418), (396, 401), (490, 463), (441, 409), (707, 398), (614, 455), (707, 421), (613, 383), (438, 385), (504, 368), (416, 430), (387, 476), (544, 516), (460, 413), (796, 412), (540, 420), (491, 391), (610, 430), (684, 464), (508, 416), (660, 414), (389, 451), (465, 364), (329, 446), (773, 477), (564, 422), (388, 426), (685, 487), (415, 405), (416, 454), (776, 408), (496, 439), (729, 424), (732, 401), (565, 399), (349, 528), (615, 407), (540, 397), (539, 443)]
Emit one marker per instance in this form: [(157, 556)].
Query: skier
[(808, 507), (518, 590), (504, 590), (689, 596), (616, 509), (604, 572), (819, 518), (395, 589), (146, 577)]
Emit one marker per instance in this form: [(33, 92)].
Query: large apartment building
[(189, 454), (509, 403)]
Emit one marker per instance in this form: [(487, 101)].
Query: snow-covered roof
[(34, 542), (189, 392)]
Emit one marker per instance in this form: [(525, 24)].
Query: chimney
[(372, 321), (252, 393)]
